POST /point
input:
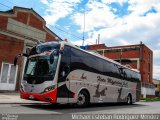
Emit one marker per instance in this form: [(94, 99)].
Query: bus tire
[(83, 99), (129, 99)]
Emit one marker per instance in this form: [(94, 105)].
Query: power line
[(68, 32), (56, 26), (10, 2), (83, 28), (49, 25), (36, 31), (62, 32), (73, 36), (4, 5)]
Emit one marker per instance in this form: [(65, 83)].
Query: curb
[(22, 103)]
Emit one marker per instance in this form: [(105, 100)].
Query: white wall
[(147, 91)]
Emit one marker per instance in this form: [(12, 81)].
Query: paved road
[(68, 112)]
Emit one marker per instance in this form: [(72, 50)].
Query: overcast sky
[(119, 22)]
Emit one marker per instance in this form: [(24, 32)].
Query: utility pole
[(98, 38), (83, 27), (121, 56)]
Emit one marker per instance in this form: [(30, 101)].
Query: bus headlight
[(49, 88)]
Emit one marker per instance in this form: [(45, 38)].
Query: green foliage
[(151, 99)]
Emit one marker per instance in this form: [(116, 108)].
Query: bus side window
[(111, 69), (85, 61), (107, 68)]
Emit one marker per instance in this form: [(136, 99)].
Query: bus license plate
[(31, 97)]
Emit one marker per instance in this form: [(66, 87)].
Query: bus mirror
[(15, 61), (66, 70), (28, 50), (17, 56), (51, 58), (61, 51)]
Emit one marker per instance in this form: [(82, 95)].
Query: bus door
[(63, 91)]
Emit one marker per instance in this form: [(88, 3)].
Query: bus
[(60, 72)]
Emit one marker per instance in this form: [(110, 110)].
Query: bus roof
[(98, 55), (92, 53)]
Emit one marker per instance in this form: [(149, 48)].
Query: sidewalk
[(14, 98)]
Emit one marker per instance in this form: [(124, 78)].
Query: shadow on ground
[(70, 108)]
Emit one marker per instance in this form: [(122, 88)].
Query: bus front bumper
[(50, 96)]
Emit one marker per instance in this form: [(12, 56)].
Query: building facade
[(157, 87), (136, 57), (20, 29)]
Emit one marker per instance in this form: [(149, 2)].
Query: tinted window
[(132, 76), (88, 62), (85, 61), (111, 69)]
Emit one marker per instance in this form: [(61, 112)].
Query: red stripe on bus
[(50, 96)]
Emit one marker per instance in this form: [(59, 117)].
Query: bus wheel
[(83, 99), (129, 99)]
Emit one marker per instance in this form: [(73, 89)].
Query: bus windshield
[(44, 47), (39, 68)]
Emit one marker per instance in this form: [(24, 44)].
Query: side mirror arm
[(19, 55)]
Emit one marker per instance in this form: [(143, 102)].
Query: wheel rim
[(81, 99)]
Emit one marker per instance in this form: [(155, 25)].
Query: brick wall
[(29, 19), (35, 22), (133, 65), (21, 17), (136, 54), (96, 47), (126, 54), (3, 22), (9, 48), (49, 37), (145, 67)]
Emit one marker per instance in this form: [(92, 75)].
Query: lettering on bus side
[(100, 79), (118, 83), (112, 82), (83, 77)]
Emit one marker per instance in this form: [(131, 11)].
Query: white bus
[(59, 72)]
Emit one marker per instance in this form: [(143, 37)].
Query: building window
[(8, 76)]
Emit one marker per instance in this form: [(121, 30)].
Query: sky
[(119, 22)]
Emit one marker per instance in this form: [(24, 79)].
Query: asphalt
[(13, 97), (7, 97)]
